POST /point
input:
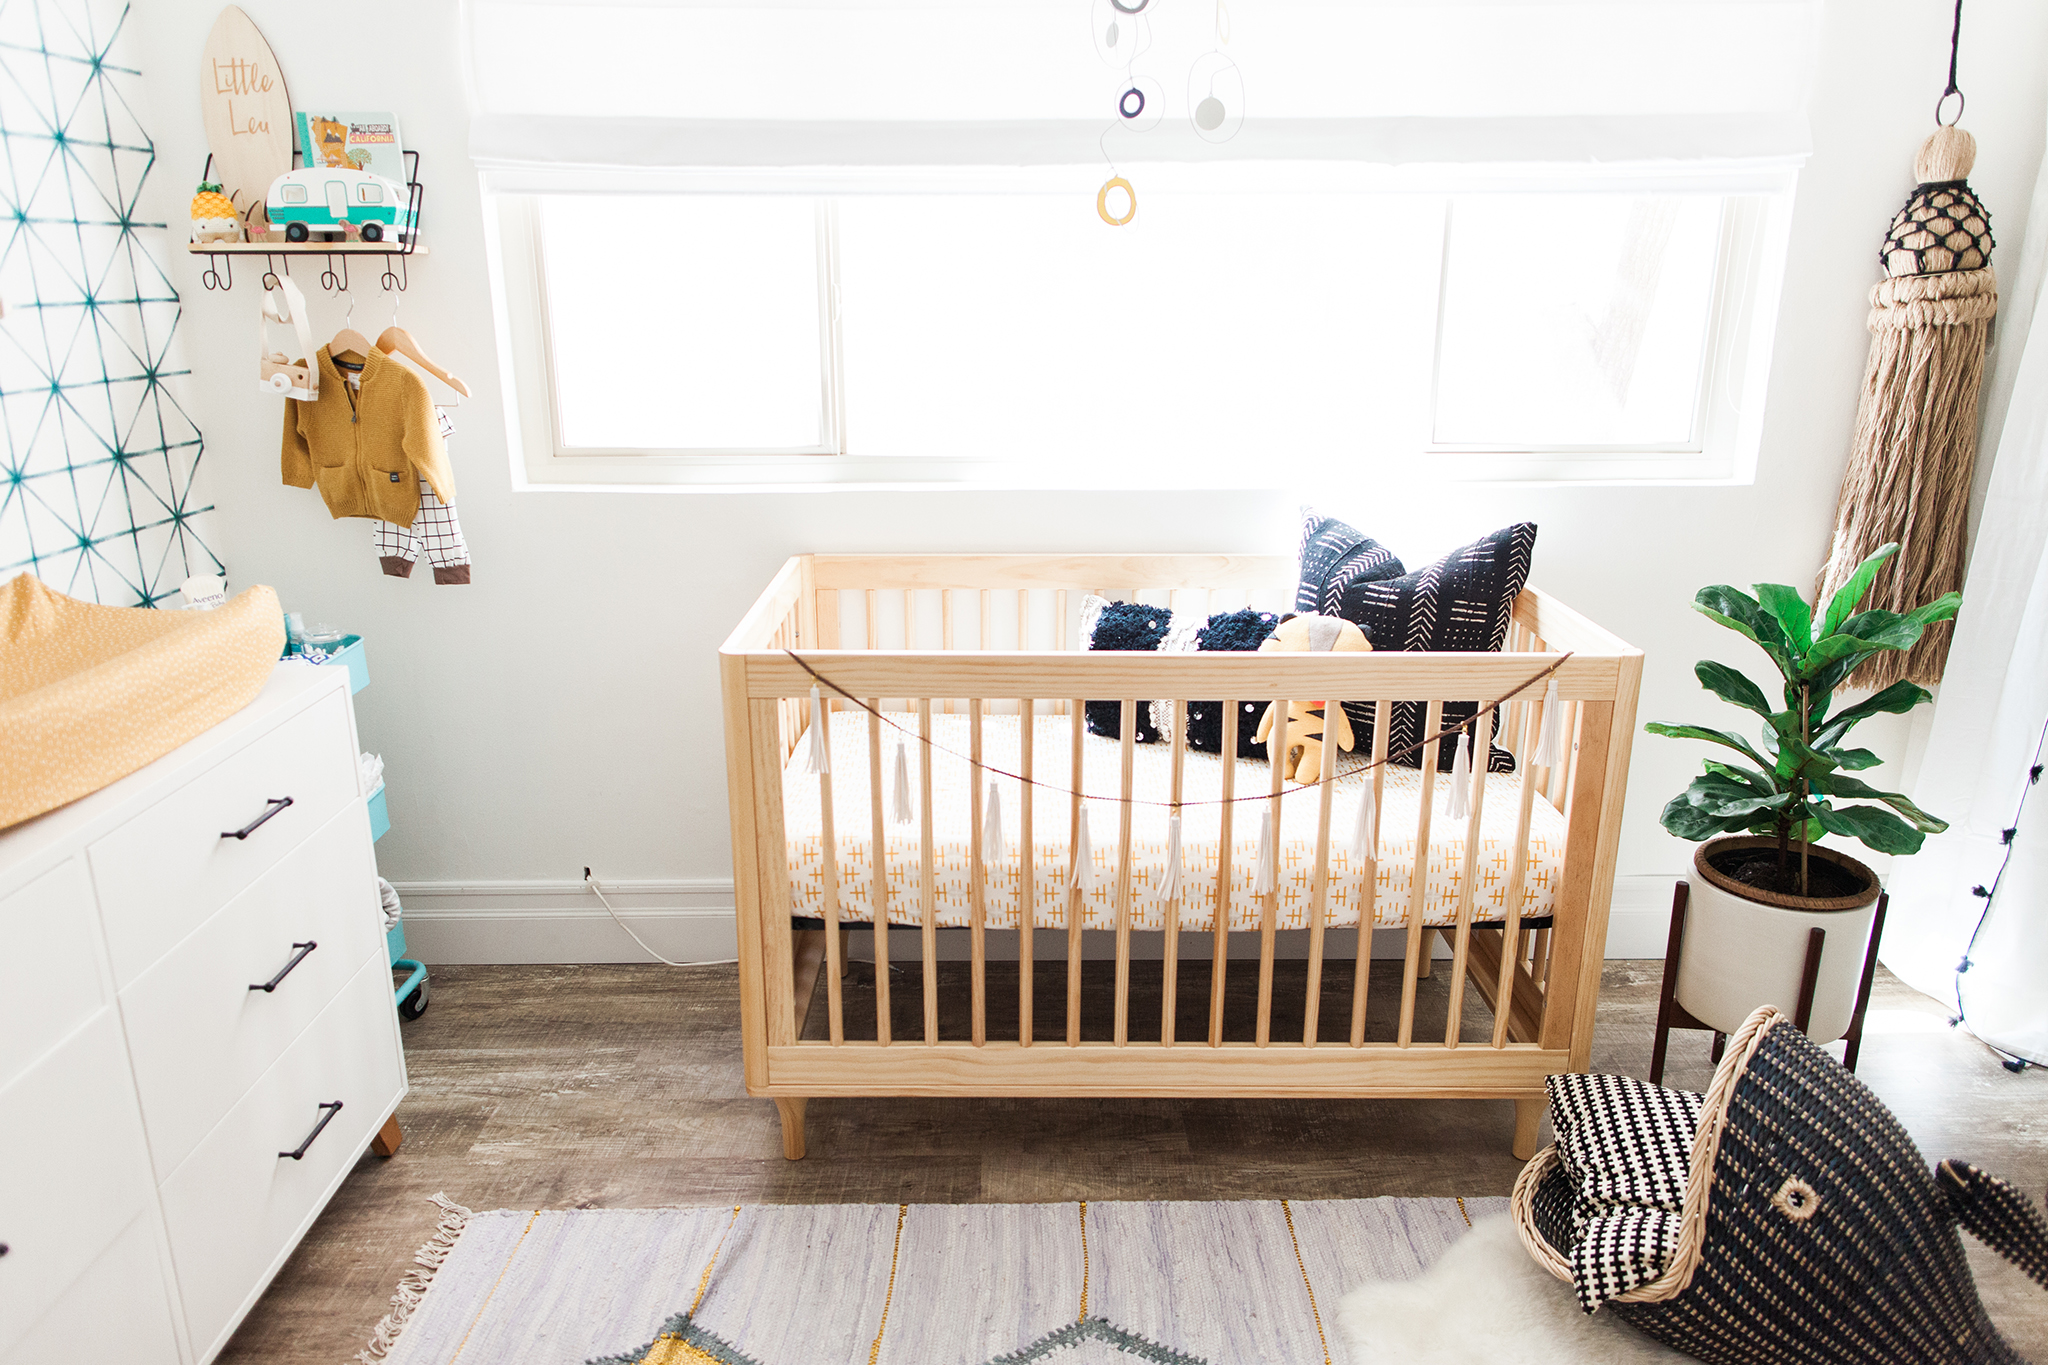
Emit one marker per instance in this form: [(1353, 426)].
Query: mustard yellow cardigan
[(367, 449)]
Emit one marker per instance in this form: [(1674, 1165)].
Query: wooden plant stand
[(1671, 1014)]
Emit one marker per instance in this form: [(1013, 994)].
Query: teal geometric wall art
[(96, 474)]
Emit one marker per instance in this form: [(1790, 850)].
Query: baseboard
[(692, 921)]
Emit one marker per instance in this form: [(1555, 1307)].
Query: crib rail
[(902, 638)]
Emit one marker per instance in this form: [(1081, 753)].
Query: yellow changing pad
[(88, 694)]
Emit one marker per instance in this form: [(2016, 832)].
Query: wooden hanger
[(396, 338), (348, 341)]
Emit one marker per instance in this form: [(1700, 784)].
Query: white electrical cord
[(596, 890)]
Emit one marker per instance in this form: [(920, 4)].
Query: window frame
[(1756, 222)]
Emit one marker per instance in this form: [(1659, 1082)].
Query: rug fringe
[(413, 1287)]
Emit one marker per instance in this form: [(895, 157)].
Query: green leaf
[(1731, 686), (1722, 737), (1879, 629), (1740, 612), (1877, 827), (1725, 797), (1941, 608), (1688, 821), (1851, 592), (1897, 699), (1761, 783), (1853, 760), (1797, 759), (1837, 785), (1790, 611)]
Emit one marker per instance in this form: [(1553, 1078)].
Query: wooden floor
[(619, 1087)]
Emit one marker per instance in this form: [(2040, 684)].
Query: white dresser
[(197, 1036)]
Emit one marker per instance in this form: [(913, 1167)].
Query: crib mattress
[(1101, 780)]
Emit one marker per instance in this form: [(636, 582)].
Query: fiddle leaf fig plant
[(1792, 783)]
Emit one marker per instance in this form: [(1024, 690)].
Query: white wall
[(563, 710)]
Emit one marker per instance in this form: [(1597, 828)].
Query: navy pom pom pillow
[(1232, 631), (1129, 626)]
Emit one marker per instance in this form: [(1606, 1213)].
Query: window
[(370, 193), (1224, 340), (293, 194)]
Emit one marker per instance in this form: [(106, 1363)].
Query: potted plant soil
[(1760, 882)]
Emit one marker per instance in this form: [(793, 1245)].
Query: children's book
[(364, 142)]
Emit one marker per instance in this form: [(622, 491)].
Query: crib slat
[(1433, 721), (946, 630), (977, 871), (1023, 619), (1123, 878), (1277, 745), (1170, 907), (873, 641), (1518, 874), (1319, 875), (982, 626), (1220, 925), (1059, 632), (927, 882), (1481, 752), (878, 835), (1073, 897), (1027, 860), (829, 837), (1369, 875)]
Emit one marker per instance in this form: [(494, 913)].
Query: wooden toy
[(214, 218), (276, 372), (247, 113), (331, 199)]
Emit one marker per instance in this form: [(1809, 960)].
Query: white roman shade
[(958, 83)]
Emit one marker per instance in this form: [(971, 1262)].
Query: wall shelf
[(303, 249), (393, 253)]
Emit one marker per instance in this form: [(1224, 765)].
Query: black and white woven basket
[(1812, 1230)]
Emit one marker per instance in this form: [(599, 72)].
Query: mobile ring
[(1102, 197), (1123, 105), (1121, 8), (1939, 105)]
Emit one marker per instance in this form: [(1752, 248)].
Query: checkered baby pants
[(434, 532)]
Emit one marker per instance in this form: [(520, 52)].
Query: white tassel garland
[(1084, 857), (1267, 876), (992, 850), (1169, 884), (1461, 778), (819, 760), (1365, 836), (1550, 743), (900, 808)]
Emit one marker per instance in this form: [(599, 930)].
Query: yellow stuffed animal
[(1301, 752)]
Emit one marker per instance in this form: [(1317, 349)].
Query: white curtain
[(1989, 718)]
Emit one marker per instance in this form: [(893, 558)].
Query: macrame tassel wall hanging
[(1916, 427), (901, 804)]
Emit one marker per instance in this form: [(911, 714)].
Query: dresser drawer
[(119, 1309), (198, 1034), (235, 1207), (165, 871), (50, 971), (73, 1171)]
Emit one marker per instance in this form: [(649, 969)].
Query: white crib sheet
[(1400, 804)]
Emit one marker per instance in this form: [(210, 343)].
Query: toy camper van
[(327, 200)]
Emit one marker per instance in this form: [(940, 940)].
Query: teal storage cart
[(412, 992)]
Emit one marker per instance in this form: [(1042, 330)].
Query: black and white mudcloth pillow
[(1626, 1148), (1334, 556), (1463, 602)]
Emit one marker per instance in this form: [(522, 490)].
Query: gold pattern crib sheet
[(1152, 782)]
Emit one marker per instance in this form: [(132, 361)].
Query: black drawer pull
[(277, 803), (325, 1119), (282, 972)]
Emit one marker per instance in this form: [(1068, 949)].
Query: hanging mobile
[(1122, 8), (1126, 108), (1116, 182)]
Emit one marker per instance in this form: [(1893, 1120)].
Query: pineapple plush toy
[(213, 216)]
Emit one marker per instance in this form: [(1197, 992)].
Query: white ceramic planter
[(1741, 953)]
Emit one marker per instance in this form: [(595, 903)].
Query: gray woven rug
[(1243, 1283)]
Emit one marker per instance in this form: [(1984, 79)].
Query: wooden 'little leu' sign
[(247, 112)]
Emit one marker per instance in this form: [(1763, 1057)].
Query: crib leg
[(792, 1112), (1528, 1124), (1425, 958)]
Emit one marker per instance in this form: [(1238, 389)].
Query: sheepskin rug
[(1485, 1301)]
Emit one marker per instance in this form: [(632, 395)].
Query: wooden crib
[(982, 635)]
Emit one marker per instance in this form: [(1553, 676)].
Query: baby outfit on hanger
[(434, 532), (373, 443)]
